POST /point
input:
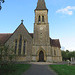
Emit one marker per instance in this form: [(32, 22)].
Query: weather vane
[(0, 3)]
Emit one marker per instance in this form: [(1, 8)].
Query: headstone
[(73, 60)]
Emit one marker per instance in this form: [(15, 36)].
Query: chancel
[(36, 46)]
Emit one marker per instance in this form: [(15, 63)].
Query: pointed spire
[(41, 5)]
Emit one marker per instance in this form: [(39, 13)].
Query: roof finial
[(22, 21)]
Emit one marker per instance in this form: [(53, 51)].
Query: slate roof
[(5, 36), (55, 43), (41, 5)]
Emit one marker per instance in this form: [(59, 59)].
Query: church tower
[(41, 26), (41, 40)]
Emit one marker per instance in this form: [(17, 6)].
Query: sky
[(61, 18)]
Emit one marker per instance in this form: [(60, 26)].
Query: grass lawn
[(15, 69), (63, 69)]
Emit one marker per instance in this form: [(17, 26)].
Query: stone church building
[(37, 46)]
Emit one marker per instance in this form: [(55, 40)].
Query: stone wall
[(57, 57), (21, 30)]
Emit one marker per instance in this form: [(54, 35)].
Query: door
[(41, 56)]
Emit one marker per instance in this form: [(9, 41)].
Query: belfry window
[(20, 45), (24, 45), (42, 18), (15, 46), (39, 19)]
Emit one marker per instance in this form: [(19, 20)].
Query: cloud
[(68, 10), (67, 43)]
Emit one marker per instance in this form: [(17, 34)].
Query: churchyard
[(13, 68), (45, 48), (19, 69), (64, 69)]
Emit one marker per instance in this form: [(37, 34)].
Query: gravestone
[(73, 60)]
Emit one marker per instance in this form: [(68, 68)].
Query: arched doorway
[(41, 56)]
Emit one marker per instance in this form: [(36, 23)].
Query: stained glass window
[(15, 46), (20, 44), (24, 47)]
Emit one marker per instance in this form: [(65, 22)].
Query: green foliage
[(6, 55), (7, 67), (15, 69), (63, 69), (66, 55)]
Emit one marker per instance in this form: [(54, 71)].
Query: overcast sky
[(61, 18)]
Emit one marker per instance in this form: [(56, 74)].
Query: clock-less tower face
[(41, 28)]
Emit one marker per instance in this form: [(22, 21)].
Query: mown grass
[(15, 69), (64, 69)]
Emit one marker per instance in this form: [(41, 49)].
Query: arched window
[(24, 45), (20, 45), (42, 18), (54, 52), (15, 45), (39, 19)]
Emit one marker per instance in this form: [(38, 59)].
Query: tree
[(0, 3), (67, 55), (64, 56)]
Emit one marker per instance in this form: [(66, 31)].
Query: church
[(37, 46)]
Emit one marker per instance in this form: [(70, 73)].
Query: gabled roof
[(41, 5), (4, 37), (22, 25), (55, 43)]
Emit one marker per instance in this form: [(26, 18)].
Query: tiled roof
[(41, 5), (55, 43), (4, 37), (31, 34)]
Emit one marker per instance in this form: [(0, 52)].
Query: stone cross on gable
[(22, 21)]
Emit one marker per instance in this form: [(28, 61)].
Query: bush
[(6, 55)]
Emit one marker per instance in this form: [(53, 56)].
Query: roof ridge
[(6, 33), (55, 39)]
